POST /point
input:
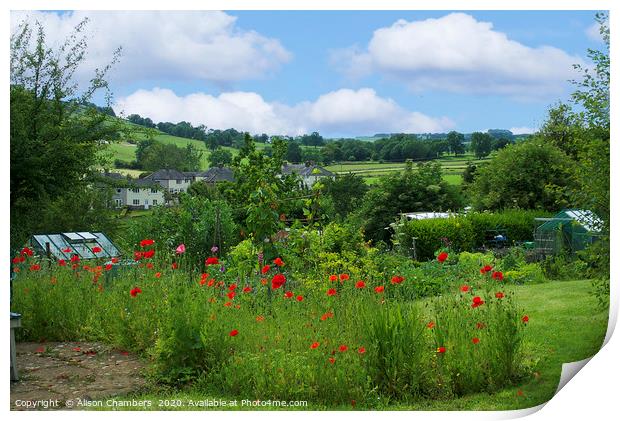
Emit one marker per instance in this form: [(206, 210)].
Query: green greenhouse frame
[(569, 231)]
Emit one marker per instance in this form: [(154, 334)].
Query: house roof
[(120, 181), (65, 245), (217, 174), (306, 170), (167, 174)]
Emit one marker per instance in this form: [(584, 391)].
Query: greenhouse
[(67, 244), (570, 230)]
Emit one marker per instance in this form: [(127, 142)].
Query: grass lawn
[(565, 325)]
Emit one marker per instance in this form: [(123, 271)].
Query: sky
[(341, 73)]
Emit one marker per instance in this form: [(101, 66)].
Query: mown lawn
[(565, 325)]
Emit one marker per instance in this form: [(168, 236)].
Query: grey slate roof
[(168, 174), (306, 171), (217, 174)]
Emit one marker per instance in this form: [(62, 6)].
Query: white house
[(309, 174), (172, 180), (135, 193)]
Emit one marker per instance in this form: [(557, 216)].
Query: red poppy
[(525, 319), (146, 242), (135, 291), (343, 348), (231, 295), (202, 281), (379, 289), (108, 267), (430, 324), (477, 302), (498, 275), (212, 261), (137, 255), (278, 262), (174, 265), (149, 253), (247, 289), (486, 269), (333, 278), (441, 257), (360, 284), (397, 279), (327, 315), (344, 277), (227, 304), (332, 360), (260, 318), (75, 258), (17, 260), (97, 249), (277, 281), (499, 295), (28, 251), (331, 292), (115, 260), (299, 298), (67, 250), (361, 350), (234, 332), (465, 288), (210, 282), (288, 294), (265, 269), (35, 267), (62, 262), (149, 265), (441, 350), (232, 287), (314, 345), (480, 325), (475, 340)]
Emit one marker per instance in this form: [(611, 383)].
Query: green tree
[(220, 158), (455, 143), (56, 143), (293, 152), (169, 156), (347, 192), (481, 144)]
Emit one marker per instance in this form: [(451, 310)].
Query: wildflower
[(265, 269), (203, 281), (327, 315), (475, 340), (360, 284), (232, 287), (227, 304), (149, 253), (146, 242), (343, 348), (109, 267), (465, 288), (480, 325), (214, 249), (499, 295), (331, 292), (430, 324), (260, 318), (35, 268), (67, 250), (397, 279), (231, 295), (486, 269), (441, 350), (115, 260), (288, 294), (333, 278), (498, 275), (344, 277), (62, 262), (75, 258), (441, 257), (332, 360), (97, 249), (263, 281), (135, 291), (181, 249), (149, 265), (361, 350), (379, 289), (174, 265), (210, 282), (314, 345), (277, 281), (299, 298), (53, 281), (525, 319), (477, 302), (278, 262), (18, 259), (27, 251), (234, 332), (247, 289), (519, 392), (212, 261)]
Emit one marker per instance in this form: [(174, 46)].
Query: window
[(153, 190), (181, 190), (179, 181), (146, 202), (154, 202), (135, 190), (187, 180), (118, 203), (118, 190), (136, 201)]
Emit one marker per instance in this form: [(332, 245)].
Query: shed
[(67, 244), (569, 230)]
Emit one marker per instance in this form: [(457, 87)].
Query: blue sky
[(340, 73)]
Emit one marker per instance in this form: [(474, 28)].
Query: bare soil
[(73, 370)]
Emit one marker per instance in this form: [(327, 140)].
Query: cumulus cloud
[(594, 32), (179, 45), (342, 112), (457, 53)]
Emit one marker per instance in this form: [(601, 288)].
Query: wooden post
[(15, 323)]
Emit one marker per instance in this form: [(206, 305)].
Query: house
[(171, 180), (138, 193), (309, 174), (218, 175), (67, 244)]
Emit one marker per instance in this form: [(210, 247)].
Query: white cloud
[(457, 53), (594, 32), (179, 45), (523, 130), (342, 112)]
